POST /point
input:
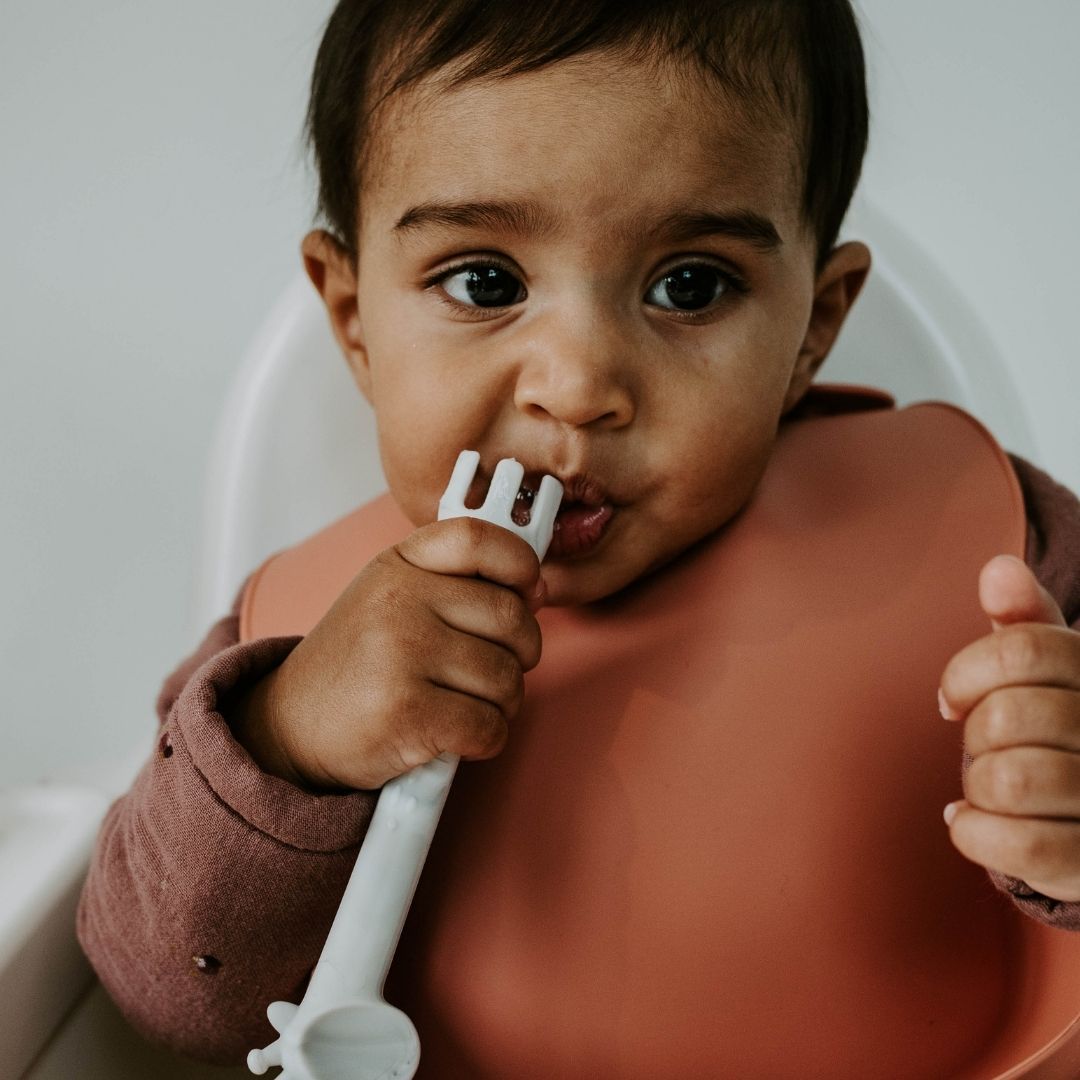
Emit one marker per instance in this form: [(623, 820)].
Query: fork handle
[(361, 943), (360, 946), (359, 949)]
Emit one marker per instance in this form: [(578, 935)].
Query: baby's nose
[(579, 374)]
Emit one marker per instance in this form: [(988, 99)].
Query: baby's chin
[(606, 573), (572, 583)]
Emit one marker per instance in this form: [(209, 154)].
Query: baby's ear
[(837, 285), (333, 273)]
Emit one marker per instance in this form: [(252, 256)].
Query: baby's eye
[(690, 287), (482, 285)]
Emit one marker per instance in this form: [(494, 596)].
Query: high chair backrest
[(296, 445)]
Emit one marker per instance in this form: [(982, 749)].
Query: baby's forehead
[(642, 133)]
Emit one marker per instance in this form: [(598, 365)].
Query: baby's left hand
[(1018, 692)]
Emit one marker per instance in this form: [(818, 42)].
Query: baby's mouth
[(582, 519)]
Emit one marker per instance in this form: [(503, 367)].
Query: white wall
[(153, 197), (975, 147), (153, 194)]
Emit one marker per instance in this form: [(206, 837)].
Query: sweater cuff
[(275, 807), (1061, 914)]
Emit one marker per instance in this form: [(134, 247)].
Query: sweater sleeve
[(1053, 553), (213, 885)]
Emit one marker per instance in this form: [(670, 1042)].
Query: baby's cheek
[(706, 500), (413, 484)]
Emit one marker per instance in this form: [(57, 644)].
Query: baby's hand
[(423, 653), (1018, 692)]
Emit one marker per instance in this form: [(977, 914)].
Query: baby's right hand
[(423, 653)]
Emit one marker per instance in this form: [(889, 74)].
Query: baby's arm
[(214, 882)]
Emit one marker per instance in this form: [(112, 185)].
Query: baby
[(600, 238)]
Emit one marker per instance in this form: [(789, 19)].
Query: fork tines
[(498, 505)]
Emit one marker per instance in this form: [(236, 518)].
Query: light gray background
[(153, 195)]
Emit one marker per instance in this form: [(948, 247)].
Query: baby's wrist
[(257, 722)]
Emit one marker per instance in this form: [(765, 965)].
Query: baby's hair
[(801, 59)]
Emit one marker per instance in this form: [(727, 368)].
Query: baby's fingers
[(1024, 716), (492, 612), (1030, 781), (479, 669), (1043, 853), (470, 547), (1024, 654), (471, 728)]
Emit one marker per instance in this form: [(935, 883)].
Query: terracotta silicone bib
[(714, 846)]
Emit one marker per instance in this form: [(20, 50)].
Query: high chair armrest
[(46, 836)]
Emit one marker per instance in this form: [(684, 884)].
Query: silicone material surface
[(713, 846)]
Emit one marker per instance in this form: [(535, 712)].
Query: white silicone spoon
[(343, 1029)]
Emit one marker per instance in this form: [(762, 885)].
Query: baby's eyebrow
[(529, 219), (754, 228), (523, 218)]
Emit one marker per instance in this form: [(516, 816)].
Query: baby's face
[(597, 269)]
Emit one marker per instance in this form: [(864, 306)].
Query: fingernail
[(944, 707), (950, 812), (539, 595)]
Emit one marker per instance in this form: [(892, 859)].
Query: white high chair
[(296, 449)]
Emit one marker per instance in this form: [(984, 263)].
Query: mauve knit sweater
[(213, 885)]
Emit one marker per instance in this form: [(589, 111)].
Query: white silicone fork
[(343, 1029)]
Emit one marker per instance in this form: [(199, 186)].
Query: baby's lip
[(579, 528), (583, 517), (585, 512), (577, 487), (584, 497)]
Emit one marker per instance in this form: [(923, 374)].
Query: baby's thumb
[(1010, 593)]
